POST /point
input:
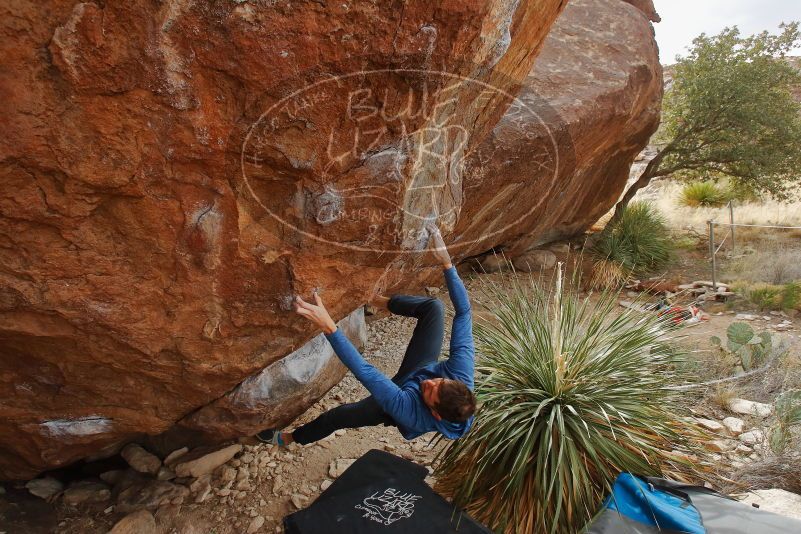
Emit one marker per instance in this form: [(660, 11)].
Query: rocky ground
[(247, 489)]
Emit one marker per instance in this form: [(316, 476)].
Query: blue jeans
[(424, 348)]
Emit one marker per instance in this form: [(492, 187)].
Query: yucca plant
[(706, 194), (637, 243), (572, 391)]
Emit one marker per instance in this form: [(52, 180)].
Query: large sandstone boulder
[(560, 157), (173, 172)]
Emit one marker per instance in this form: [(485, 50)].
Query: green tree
[(730, 112)]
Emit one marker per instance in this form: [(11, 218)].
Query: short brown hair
[(456, 402)]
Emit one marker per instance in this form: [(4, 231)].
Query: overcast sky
[(683, 20)]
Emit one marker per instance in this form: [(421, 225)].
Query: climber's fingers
[(304, 312), (318, 300), (303, 304)]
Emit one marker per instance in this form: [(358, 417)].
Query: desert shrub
[(791, 296), (774, 471), (772, 297), (571, 392), (788, 415), (765, 296), (637, 243), (741, 192), (707, 194)]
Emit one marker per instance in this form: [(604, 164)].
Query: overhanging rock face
[(281, 391), (560, 157), (174, 172)]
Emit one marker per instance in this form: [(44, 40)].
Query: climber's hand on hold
[(316, 313), (438, 247)]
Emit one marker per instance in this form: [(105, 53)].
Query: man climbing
[(424, 395)]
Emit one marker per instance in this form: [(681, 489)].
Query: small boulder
[(534, 261), (175, 455), (139, 522), (141, 460), (298, 500), (165, 473), (559, 248), (255, 524), (112, 477), (710, 424), (721, 445), (44, 488), (778, 501), (227, 474), (493, 263), (338, 466), (734, 425), (752, 437), (150, 495), (201, 462), (86, 492), (747, 407), (325, 484)]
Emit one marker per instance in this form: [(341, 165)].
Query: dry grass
[(771, 264), (608, 274), (722, 394), (779, 471), (665, 196)]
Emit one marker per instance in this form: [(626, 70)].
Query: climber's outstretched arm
[(396, 402), (462, 351)]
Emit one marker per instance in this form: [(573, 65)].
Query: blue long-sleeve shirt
[(404, 403)]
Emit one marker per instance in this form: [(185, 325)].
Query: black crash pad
[(381, 493)]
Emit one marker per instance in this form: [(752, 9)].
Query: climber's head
[(448, 399)]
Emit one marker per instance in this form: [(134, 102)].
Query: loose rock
[(778, 501), (722, 445), (338, 466), (709, 424), (139, 522), (44, 488), (228, 474), (748, 407), (734, 425), (255, 524), (165, 473), (197, 464), (298, 500), (175, 455), (534, 261), (150, 495), (141, 460), (86, 491), (752, 437)]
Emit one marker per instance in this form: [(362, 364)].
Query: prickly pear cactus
[(750, 347)]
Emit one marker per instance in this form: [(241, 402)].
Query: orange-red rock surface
[(560, 158), (173, 172)]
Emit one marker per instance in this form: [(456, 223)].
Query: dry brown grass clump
[(779, 471)]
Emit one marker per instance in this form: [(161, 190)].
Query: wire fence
[(714, 248)]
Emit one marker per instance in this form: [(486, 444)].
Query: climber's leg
[(366, 412), (426, 343)]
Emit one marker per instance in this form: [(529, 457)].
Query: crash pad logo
[(388, 507), (366, 160)]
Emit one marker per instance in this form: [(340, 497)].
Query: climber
[(424, 395)]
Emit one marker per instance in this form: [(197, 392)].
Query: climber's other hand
[(316, 313)]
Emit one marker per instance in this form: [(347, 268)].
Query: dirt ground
[(283, 480)]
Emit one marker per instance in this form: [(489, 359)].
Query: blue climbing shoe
[(272, 437)]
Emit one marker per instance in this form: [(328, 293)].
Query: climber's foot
[(274, 437), (379, 301)]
